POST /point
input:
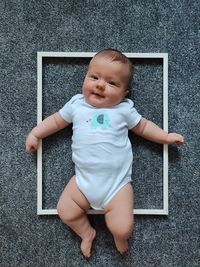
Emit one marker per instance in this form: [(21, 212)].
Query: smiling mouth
[(98, 95)]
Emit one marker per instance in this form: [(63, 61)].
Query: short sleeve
[(66, 112), (133, 117)]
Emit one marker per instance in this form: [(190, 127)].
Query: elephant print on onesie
[(100, 120)]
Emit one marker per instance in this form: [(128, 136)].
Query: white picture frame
[(164, 57)]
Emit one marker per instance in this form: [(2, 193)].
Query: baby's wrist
[(169, 141), (34, 136)]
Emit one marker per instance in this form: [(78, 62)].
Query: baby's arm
[(150, 131), (48, 126)]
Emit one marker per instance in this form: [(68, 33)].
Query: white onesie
[(101, 149)]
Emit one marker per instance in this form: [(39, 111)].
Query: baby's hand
[(174, 138), (32, 143)]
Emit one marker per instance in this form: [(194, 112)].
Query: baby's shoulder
[(127, 103), (76, 98), (127, 106)]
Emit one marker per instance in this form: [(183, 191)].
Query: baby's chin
[(100, 101), (97, 101)]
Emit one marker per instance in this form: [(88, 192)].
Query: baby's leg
[(119, 217), (72, 207)]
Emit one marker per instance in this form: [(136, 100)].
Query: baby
[(101, 150)]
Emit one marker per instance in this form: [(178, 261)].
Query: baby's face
[(105, 84)]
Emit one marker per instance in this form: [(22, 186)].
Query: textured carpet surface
[(87, 26)]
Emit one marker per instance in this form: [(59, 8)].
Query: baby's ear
[(126, 93)]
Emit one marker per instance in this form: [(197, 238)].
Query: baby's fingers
[(30, 149), (175, 138), (179, 140), (180, 143)]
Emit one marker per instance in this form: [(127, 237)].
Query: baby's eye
[(94, 77), (112, 83)]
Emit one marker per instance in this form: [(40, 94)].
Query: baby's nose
[(101, 84)]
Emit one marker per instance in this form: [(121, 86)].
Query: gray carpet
[(88, 26)]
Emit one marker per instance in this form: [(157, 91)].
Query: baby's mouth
[(98, 95)]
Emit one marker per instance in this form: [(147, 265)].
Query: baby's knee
[(125, 230), (64, 213), (122, 230), (60, 210)]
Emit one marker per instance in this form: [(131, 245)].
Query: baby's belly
[(101, 156)]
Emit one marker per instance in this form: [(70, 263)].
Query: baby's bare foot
[(122, 245), (86, 243)]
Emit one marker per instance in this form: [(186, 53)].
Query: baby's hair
[(116, 55)]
